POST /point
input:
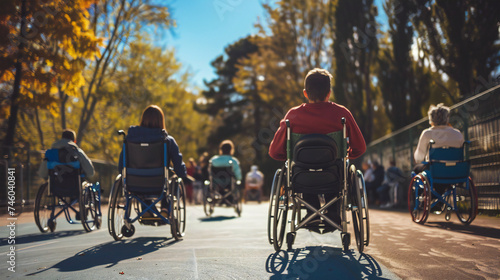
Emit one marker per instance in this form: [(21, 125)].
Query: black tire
[(178, 214), (43, 209), (346, 241), (208, 206), (466, 202), (419, 199), (116, 211), (280, 217), (88, 210), (271, 214), (356, 209), (238, 200), (365, 209)]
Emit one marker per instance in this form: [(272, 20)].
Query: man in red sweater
[(318, 116)]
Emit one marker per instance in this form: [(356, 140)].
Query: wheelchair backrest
[(448, 163), (222, 177), (316, 165), (64, 171), (145, 166)]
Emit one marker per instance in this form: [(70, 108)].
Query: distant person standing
[(254, 180), (68, 142)]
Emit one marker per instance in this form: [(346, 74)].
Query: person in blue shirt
[(226, 159), (152, 129)]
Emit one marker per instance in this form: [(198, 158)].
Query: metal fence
[(478, 118)]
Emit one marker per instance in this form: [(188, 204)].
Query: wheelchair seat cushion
[(315, 166)]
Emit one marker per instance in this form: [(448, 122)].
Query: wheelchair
[(65, 193), (221, 189), (317, 165), (444, 187), (146, 180)]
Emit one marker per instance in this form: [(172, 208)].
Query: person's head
[(317, 85), (192, 162), (153, 117), (392, 162), (365, 165), (226, 147), (254, 168), (69, 134), (439, 114)]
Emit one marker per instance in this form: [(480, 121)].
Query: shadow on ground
[(36, 237), (468, 229), (216, 218), (319, 262), (109, 254)]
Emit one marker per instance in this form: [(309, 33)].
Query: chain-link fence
[(478, 118)]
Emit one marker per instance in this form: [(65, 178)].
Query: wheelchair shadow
[(216, 218), (36, 237), (319, 262), (467, 229), (110, 254)]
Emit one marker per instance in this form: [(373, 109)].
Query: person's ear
[(305, 94)]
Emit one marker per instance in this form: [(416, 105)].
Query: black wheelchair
[(66, 193), (222, 189), (146, 180), (444, 187), (317, 166)]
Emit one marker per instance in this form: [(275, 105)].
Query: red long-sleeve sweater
[(323, 118)]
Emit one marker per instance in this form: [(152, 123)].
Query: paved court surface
[(228, 247)]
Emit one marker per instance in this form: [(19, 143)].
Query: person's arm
[(236, 169), (87, 166), (357, 145), (277, 148), (422, 147), (176, 158)]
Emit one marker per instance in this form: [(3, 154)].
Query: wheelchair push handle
[(121, 132)]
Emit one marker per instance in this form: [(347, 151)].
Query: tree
[(120, 22), (404, 83), (355, 47), (48, 41), (222, 100), (461, 38)]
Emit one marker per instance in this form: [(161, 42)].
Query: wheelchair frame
[(352, 197), (123, 201), (50, 205), (212, 198), (422, 196)]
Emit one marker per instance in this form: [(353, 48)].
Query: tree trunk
[(14, 106)]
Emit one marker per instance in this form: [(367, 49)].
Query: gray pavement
[(228, 247)]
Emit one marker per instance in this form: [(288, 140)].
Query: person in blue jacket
[(152, 129)]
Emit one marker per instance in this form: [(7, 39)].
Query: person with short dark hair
[(68, 141), (226, 158), (318, 116)]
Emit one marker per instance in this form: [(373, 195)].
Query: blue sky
[(206, 27)]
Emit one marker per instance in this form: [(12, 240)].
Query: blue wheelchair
[(146, 181), (317, 168), (66, 194), (444, 187)]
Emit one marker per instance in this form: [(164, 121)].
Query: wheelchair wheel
[(116, 212), (238, 206), (208, 203), (419, 199), (178, 215), (280, 216), (356, 187), (43, 209), (271, 211), (466, 202), (89, 212)]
